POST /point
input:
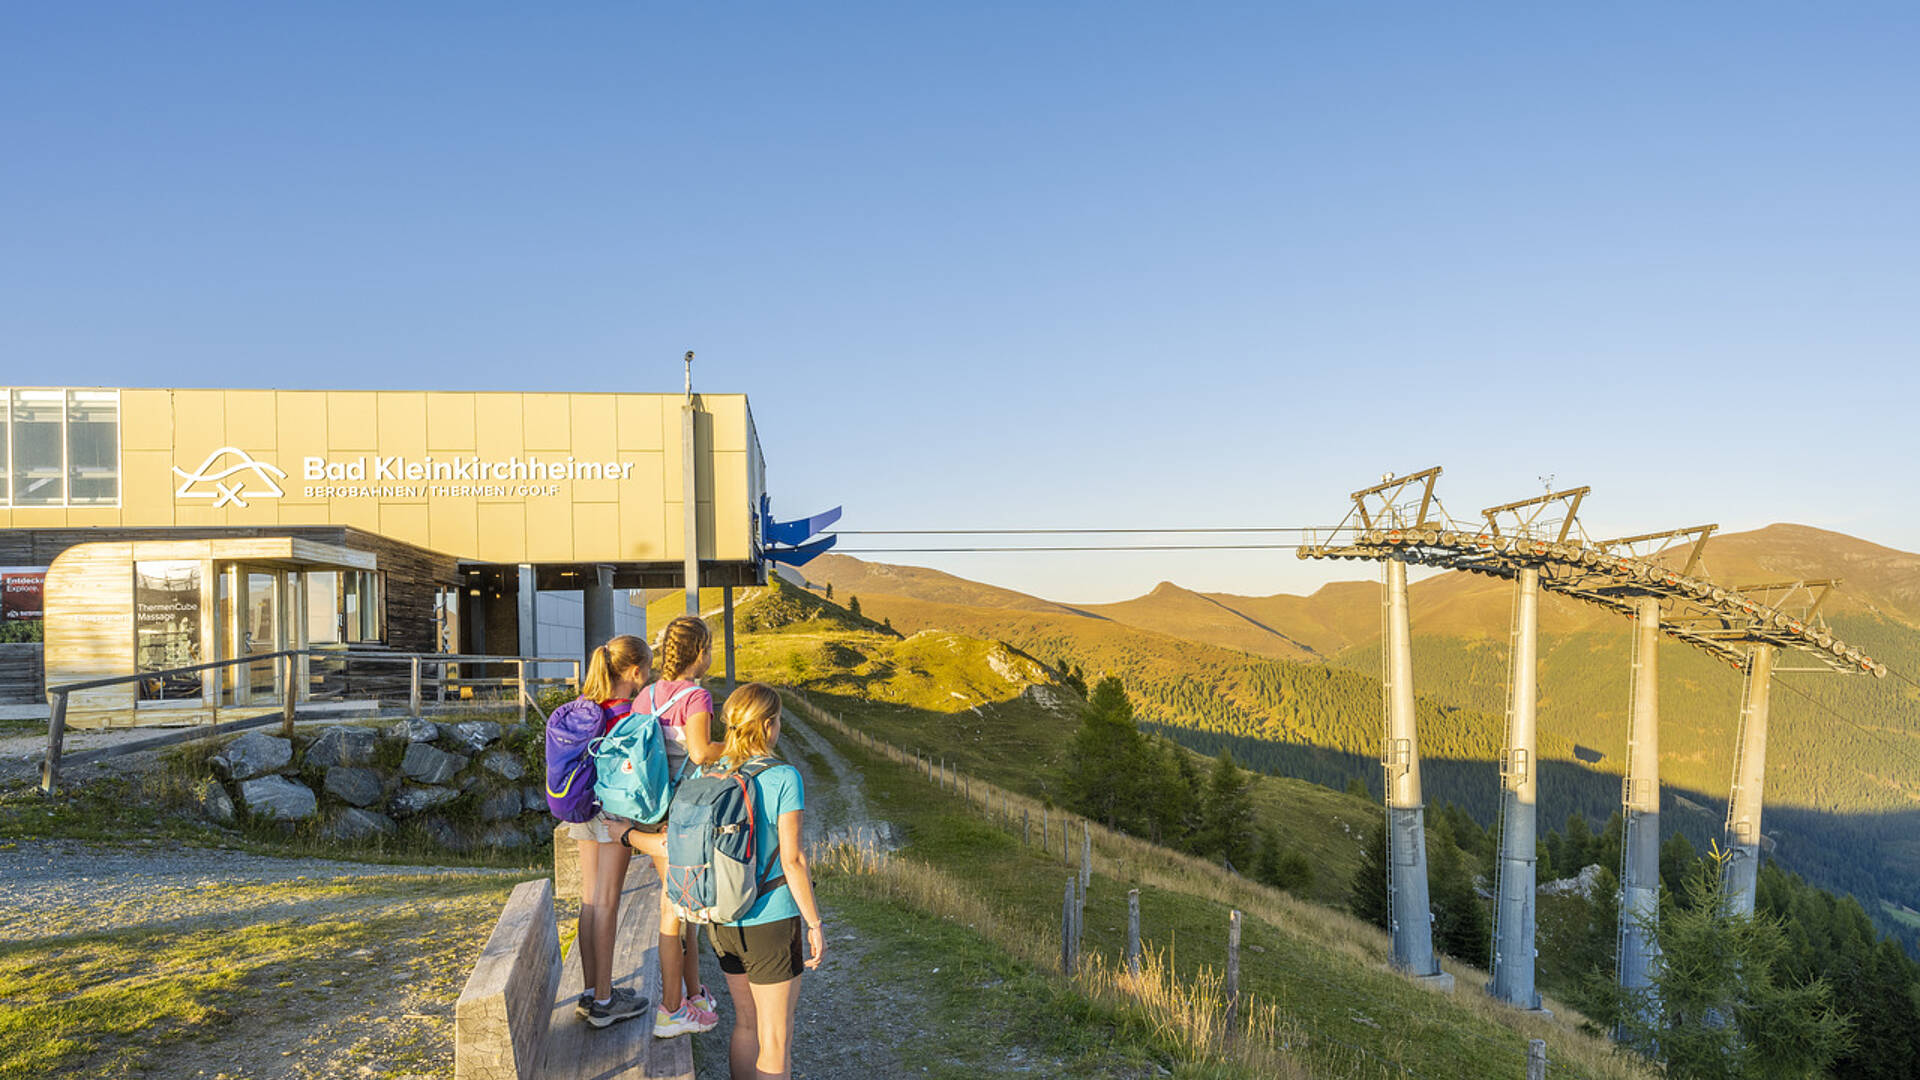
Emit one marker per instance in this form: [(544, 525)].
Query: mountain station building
[(145, 530)]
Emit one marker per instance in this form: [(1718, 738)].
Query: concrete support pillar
[(726, 627), (1749, 778), (1412, 914), (596, 603), (1640, 806), (529, 618), (1513, 912), (690, 501)]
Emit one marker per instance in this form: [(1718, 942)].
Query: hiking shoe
[(691, 1019), (585, 1001), (624, 1006)]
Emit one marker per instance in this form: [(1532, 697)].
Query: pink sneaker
[(705, 1001), (690, 1019)]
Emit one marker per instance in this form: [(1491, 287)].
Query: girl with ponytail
[(615, 673)]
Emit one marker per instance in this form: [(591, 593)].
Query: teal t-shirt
[(776, 791)]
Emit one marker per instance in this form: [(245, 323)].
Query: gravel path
[(65, 887)]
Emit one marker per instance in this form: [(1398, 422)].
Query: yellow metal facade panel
[(638, 417), (500, 477), (404, 522), (450, 422), (252, 420), (353, 420), (546, 421), (146, 420), (403, 424)]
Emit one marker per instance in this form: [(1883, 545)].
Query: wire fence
[(1057, 831)]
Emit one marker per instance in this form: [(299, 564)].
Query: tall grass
[(1189, 1012)]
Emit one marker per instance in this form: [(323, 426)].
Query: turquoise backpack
[(630, 763)]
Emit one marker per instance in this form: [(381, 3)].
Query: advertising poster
[(21, 591), (166, 628)]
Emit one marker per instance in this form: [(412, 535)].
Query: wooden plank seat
[(575, 1050), (500, 1022)]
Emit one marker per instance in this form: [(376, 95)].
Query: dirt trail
[(846, 1024)]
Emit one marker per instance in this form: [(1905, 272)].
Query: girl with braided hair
[(683, 656)]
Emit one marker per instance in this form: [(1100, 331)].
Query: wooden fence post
[(56, 742), (1046, 830), (1026, 828), (1133, 932), (520, 686), (1233, 972), (1066, 842), (1086, 855), (413, 688), (1536, 1059), (287, 696), (1066, 932)]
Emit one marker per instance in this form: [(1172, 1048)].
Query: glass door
[(251, 624)]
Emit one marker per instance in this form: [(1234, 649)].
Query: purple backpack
[(571, 732)]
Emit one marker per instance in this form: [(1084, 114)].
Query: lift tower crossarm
[(1572, 497), (1699, 532), (1390, 490)]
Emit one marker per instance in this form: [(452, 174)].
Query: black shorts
[(766, 954)]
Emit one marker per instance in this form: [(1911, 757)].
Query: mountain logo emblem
[(243, 476)]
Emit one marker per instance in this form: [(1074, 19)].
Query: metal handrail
[(283, 658)]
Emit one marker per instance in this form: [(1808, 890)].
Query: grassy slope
[(1321, 967)]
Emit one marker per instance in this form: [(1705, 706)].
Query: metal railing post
[(56, 737), (413, 688)]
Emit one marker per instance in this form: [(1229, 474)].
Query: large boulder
[(214, 802), (431, 766), (444, 835), (414, 800), (535, 797), (414, 730), (353, 785), (342, 746), (505, 836), (276, 798), (471, 736), (502, 764), (501, 806), (254, 754), (355, 824)]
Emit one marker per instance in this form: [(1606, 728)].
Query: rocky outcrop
[(413, 800), (342, 746), (353, 785), (276, 798), (353, 824), (414, 730), (253, 754), (471, 736), (429, 765)]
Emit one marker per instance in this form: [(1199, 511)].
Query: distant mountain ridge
[(1290, 683)]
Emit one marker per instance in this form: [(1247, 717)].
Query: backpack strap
[(751, 770)]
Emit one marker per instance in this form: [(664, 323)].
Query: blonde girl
[(761, 954), (615, 673), (684, 654)]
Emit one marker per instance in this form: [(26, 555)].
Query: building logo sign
[(243, 476)]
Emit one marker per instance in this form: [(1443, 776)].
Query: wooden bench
[(515, 1020), (500, 1022), (575, 1050)]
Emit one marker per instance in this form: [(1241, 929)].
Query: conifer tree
[(1459, 921), (853, 605), (1108, 777), (1720, 1009), (1226, 815), (1367, 895)]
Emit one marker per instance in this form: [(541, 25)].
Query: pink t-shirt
[(673, 718)]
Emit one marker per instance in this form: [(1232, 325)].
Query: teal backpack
[(630, 763)]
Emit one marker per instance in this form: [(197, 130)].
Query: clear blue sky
[(1099, 264)]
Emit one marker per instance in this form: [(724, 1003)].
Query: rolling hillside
[(1844, 783)]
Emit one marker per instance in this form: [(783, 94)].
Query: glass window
[(39, 469), (323, 607), (93, 447), (362, 606), (6, 474), (446, 620)]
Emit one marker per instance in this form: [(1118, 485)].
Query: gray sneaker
[(625, 1006)]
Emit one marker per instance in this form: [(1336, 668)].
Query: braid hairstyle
[(751, 711), (681, 643)]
